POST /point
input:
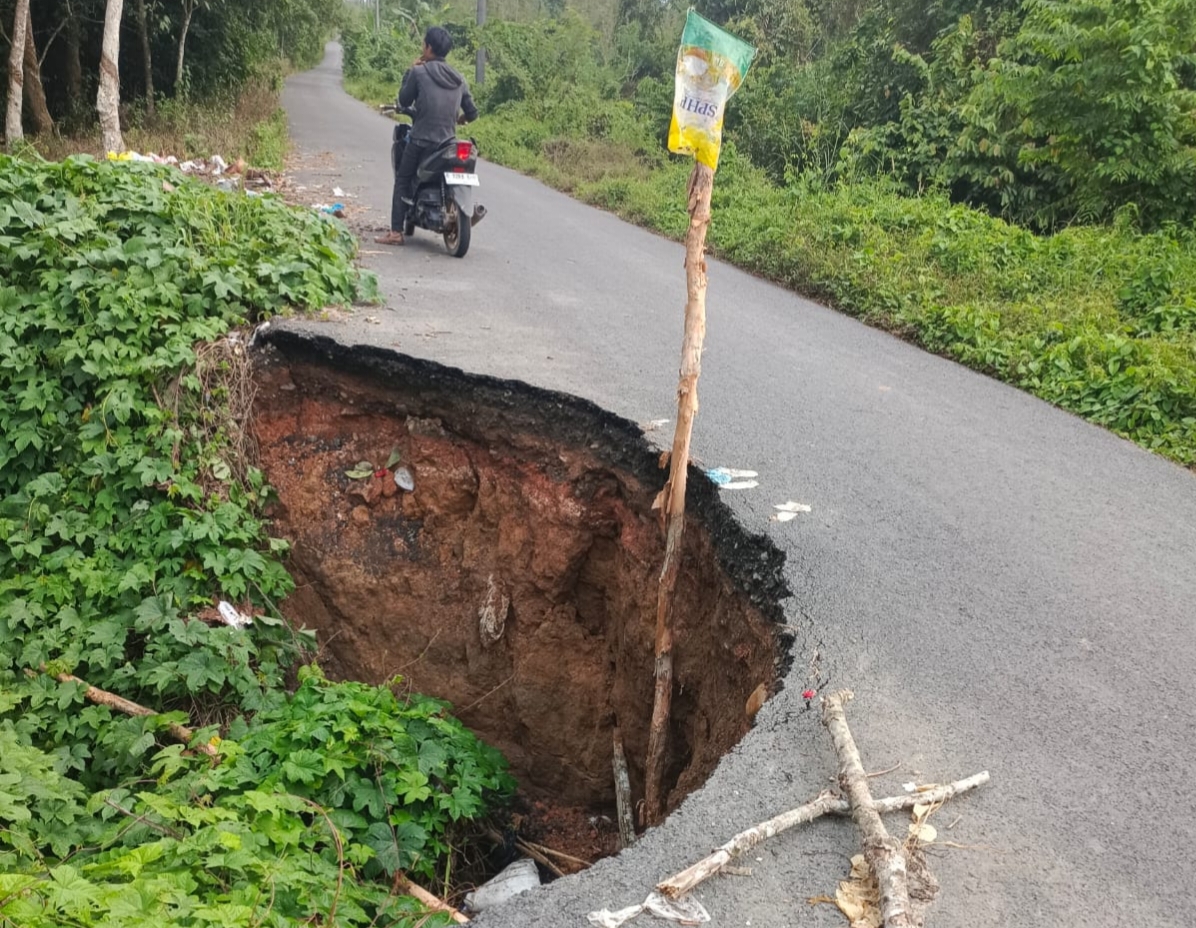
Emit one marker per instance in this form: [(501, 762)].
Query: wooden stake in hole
[(622, 792), (671, 500)]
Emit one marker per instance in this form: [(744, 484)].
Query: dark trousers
[(413, 154)]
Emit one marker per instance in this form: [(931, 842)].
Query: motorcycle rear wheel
[(456, 230)]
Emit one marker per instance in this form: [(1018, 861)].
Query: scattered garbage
[(404, 480), (729, 478), (214, 167), (653, 424), (233, 616), (788, 511), (332, 209), (137, 156), (686, 911), (518, 878), (337, 192)]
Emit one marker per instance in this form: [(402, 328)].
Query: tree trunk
[(16, 74), (147, 58), (188, 10), (672, 497), (35, 93), (108, 97), (74, 64)]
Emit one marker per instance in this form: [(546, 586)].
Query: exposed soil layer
[(518, 579)]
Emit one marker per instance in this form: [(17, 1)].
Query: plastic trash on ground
[(137, 156), (685, 911), (232, 616), (788, 511), (729, 478), (518, 878), (404, 480)]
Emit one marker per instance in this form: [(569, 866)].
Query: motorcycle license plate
[(457, 177)]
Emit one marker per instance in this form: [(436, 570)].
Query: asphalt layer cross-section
[(1004, 586)]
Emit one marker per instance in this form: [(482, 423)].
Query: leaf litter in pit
[(360, 471)]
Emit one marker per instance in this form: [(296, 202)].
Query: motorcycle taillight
[(464, 151)]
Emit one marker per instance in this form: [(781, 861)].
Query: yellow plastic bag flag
[(711, 64)]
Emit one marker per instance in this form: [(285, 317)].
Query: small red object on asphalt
[(808, 694)]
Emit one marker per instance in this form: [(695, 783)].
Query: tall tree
[(188, 12), (16, 73), (74, 64), (146, 57), (108, 97), (35, 93)]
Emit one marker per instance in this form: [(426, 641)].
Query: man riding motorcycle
[(442, 101)]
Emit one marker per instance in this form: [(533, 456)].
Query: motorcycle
[(444, 183)]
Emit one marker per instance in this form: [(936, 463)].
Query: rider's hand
[(461, 120)]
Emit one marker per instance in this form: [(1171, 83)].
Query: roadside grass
[(1099, 320), (252, 126)]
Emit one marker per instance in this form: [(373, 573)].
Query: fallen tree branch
[(680, 883), (561, 855), (404, 885), (539, 858), (160, 829), (882, 851), (120, 704)]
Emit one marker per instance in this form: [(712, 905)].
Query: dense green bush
[(128, 508)]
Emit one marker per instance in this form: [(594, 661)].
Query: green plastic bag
[(711, 64)]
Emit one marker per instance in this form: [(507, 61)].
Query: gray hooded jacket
[(438, 94)]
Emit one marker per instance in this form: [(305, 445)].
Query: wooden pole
[(881, 850), (672, 497)]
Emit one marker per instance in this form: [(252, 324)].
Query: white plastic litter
[(233, 616), (730, 478), (686, 911), (518, 878), (403, 479), (337, 192), (788, 511), (219, 165)]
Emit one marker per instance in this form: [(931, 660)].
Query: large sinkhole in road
[(518, 578)]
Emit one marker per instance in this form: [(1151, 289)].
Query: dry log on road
[(882, 851), (681, 883)]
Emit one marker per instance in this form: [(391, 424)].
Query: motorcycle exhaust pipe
[(479, 213)]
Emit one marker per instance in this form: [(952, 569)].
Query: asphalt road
[(1003, 586)]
